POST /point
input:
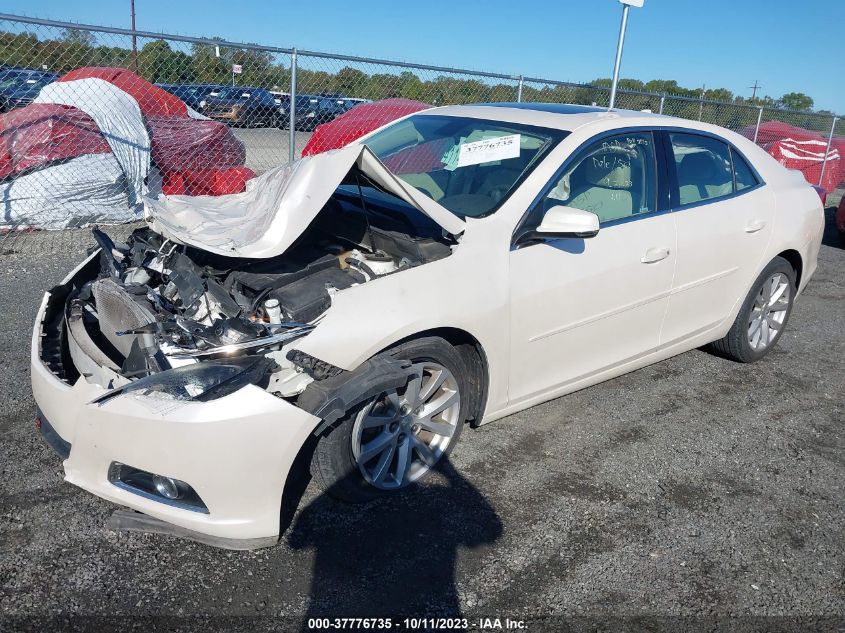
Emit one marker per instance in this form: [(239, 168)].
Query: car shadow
[(831, 236), (394, 557)]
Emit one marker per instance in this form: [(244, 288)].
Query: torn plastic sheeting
[(44, 133), (278, 206), (118, 116), (85, 190)]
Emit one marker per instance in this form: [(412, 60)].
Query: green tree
[(796, 101)]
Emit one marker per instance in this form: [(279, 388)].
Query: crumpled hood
[(278, 206)]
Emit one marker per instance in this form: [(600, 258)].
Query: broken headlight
[(202, 381)]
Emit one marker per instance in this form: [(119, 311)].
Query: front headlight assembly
[(203, 381)]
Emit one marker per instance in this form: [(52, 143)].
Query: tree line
[(159, 62)]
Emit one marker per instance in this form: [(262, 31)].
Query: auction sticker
[(489, 149)]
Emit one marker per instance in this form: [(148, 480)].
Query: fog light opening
[(160, 488), (166, 487)]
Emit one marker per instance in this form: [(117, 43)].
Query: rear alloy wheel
[(396, 438), (769, 311), (762, 316)]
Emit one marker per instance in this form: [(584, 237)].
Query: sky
[(785, 45)]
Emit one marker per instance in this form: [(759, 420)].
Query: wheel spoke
[(764, 334), (423, 450), (777, 292), (433, 383), (439, 404), (755, 325), (383, 464), (392, 399), (438, 428), (403, 461), (412, 391), (772, 323), (375, 446)]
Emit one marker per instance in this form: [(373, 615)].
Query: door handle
[(754, 226), (653, 255)]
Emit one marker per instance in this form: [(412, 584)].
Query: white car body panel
[(548, 318)]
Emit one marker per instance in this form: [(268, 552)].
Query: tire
[(335, 466), (753, 332)]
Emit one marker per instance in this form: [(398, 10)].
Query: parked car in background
[(243, 106), (193, 95), (346, 306), (312, 110), (20, 86)]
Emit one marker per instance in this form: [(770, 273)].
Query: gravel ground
[(693, 494)]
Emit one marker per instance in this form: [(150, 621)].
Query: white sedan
[(357, 308)]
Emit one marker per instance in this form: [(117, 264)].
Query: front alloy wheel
[(398, 437), (393, 440)]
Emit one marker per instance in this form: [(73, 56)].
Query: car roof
[(567, 117)]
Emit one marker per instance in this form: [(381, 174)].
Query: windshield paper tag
[(488, 150)]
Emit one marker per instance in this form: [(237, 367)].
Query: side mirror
[(561, 221)]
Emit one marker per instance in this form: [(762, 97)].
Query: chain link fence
[(73, 153)]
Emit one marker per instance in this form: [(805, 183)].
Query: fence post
[(827, 150), (662, 101), (757, 127), (519, 90), (292, 109)]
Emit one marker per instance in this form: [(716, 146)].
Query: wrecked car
[(358, 308)]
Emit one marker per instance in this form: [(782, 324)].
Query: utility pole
[(701, 106), (626, 4), (754, 89), (134, 39)]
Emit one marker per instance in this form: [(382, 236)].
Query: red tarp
[(804, 150), (807, 157), (206, 182), (360, 120), (41, 133), (179, 144), (152, 100), (772, 131)]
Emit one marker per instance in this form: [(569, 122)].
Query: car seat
[(701, 178)]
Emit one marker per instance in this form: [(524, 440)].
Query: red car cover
[(772, 131), (808, 157), (152, 100), (181, 143), (41, 133), (804, 150), (360, 120)]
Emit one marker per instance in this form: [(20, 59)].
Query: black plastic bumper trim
[(53, 439)]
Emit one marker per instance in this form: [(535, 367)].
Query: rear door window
[(704, 168), (745, 178)]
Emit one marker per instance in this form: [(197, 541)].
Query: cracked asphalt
[(696, 492)]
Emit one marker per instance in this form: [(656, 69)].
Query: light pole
[(626, 4)]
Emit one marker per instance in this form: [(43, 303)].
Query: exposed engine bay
[(155, 305)]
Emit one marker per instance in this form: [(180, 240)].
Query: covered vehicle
[(353, 310), (357, 122), (84, 151), (800, 149)]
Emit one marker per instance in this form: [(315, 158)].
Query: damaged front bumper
[(235, 452)]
